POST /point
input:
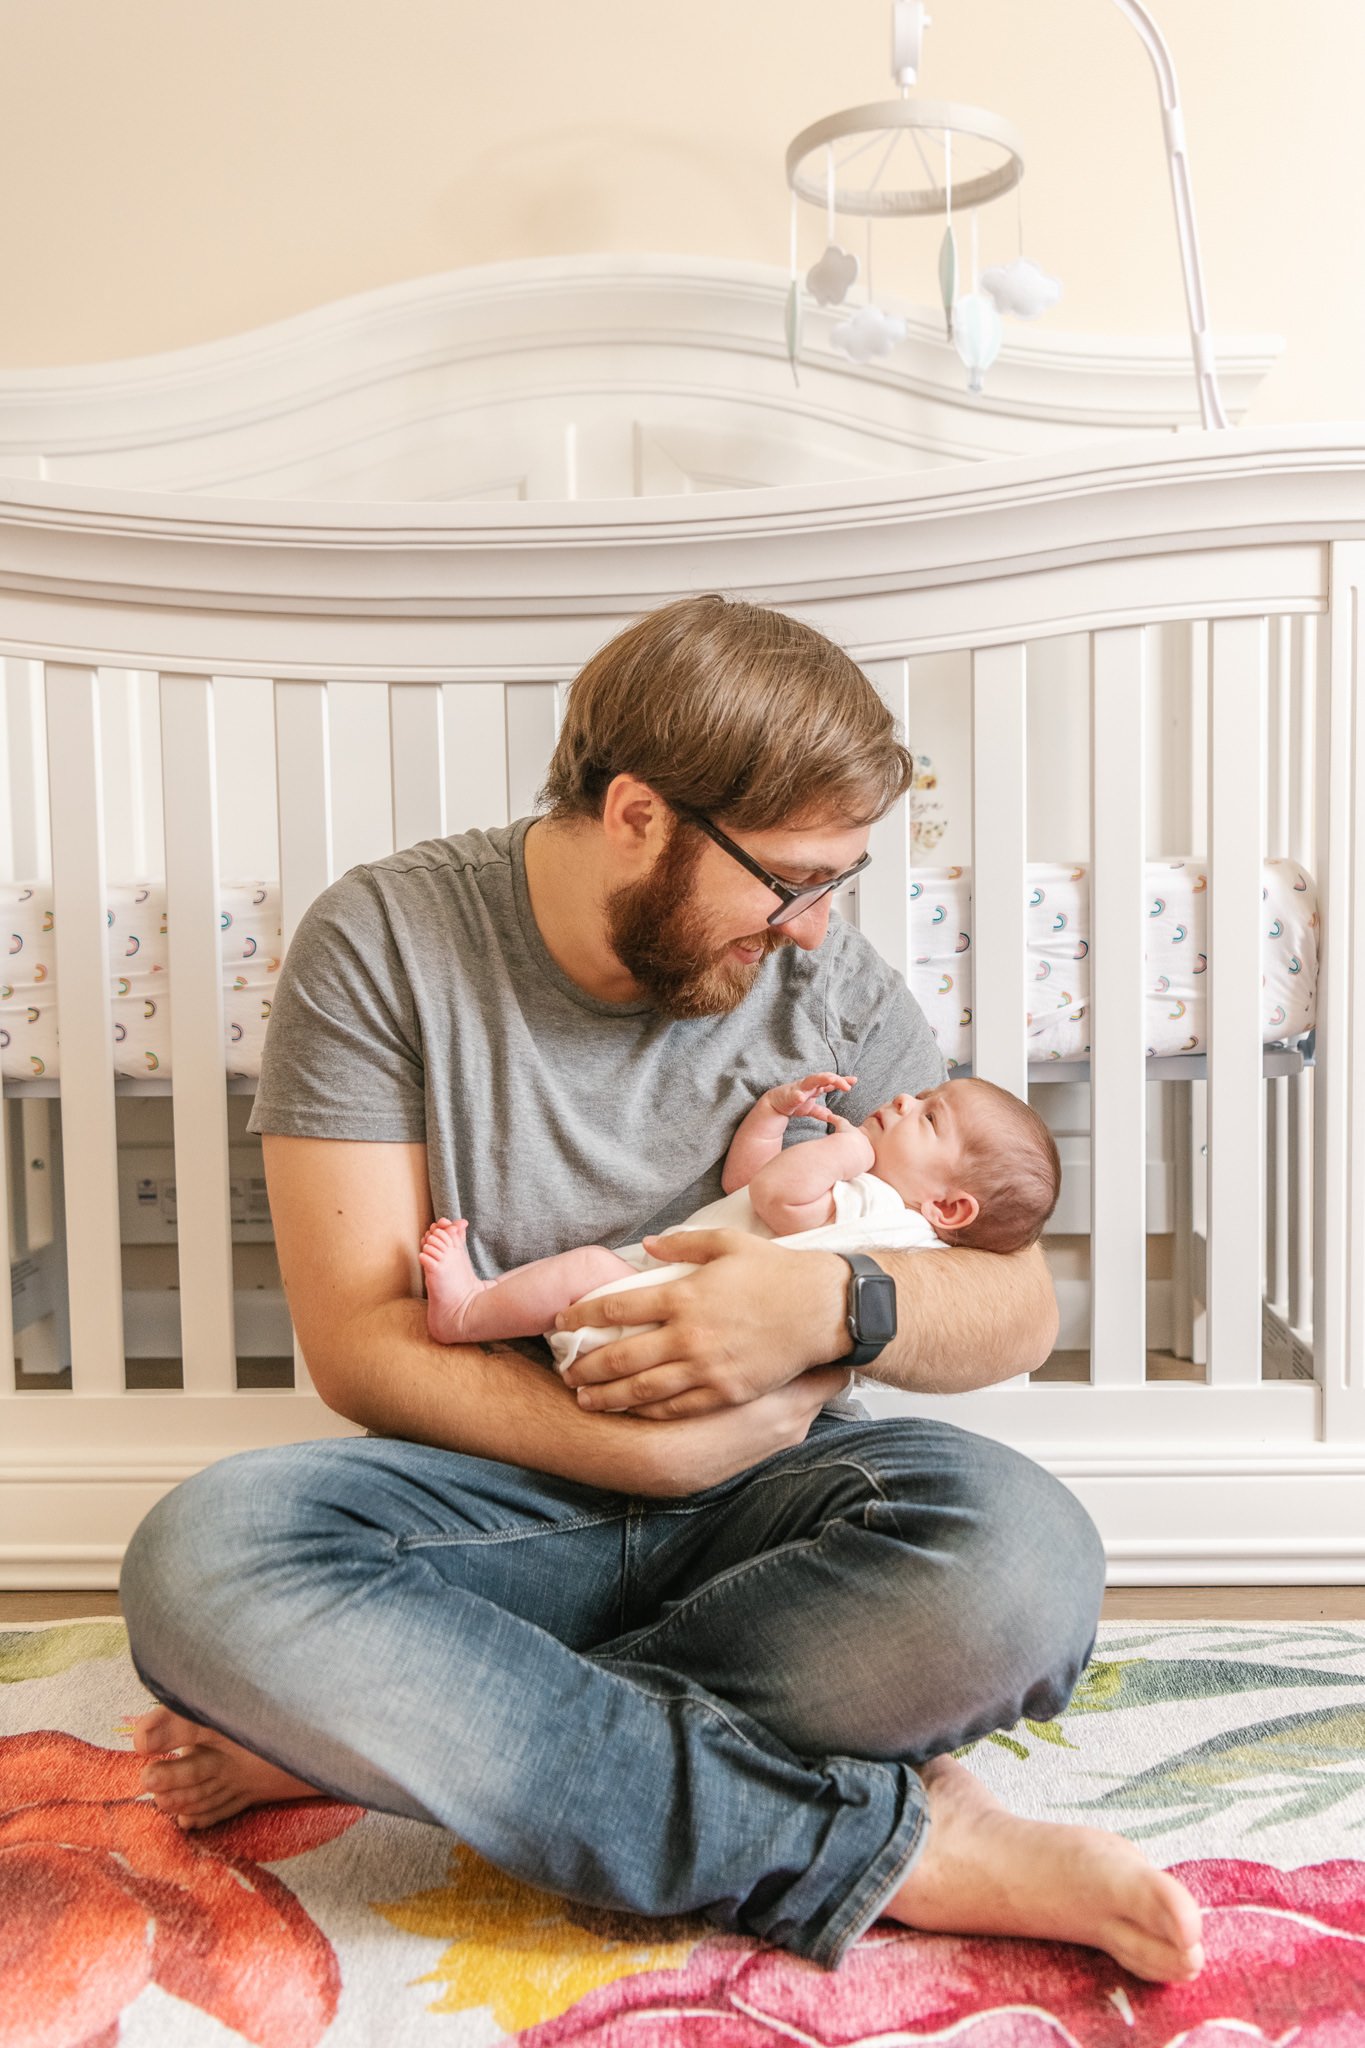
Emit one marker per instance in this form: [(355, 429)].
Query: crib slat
[(1237, 697), (305, 797), (305, 800), (1275, 1279), (26, 785), (1302, 793), (1281, 754), (1339, 1082), (85, 1027), (1118, 1080), (417, 751), (1275, 843), (1300, 1300), (884, 890), (1302, 797), (476, 756), (532, 716), (999, 854), (198, 1078)]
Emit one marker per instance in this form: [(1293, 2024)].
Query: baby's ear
[(952, 1212)]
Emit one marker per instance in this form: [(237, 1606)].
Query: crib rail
[(460, 633)]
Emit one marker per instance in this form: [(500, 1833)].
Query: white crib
[(1243, 552)]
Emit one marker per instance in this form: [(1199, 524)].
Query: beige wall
[(176, 170)]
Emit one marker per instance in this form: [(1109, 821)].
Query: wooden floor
[(1123, 1603)]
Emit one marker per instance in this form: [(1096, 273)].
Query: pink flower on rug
[(1285, 1959), (101, 1893)]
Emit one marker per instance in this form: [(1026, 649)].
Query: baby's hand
[(803, 1098)]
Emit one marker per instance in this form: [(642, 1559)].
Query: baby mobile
[(904, 157)]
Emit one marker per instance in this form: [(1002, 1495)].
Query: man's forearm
[(393, 1379), (967, 1318)]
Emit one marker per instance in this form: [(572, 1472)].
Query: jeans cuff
[(880, 1882)]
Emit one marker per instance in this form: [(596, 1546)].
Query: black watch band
[(871, 1319)]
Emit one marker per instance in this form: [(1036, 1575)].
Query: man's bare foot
[(984, 1871), (451, 1279), (212, 1777)]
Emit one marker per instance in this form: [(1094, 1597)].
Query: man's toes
[(212, 1800), (209, 1817), (1177, 1915), (155, 1732), (1154, 1960), (173, 1774)]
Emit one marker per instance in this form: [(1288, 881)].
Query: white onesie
[(868, 1213)]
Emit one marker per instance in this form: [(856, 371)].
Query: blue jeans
[(711, 1703)]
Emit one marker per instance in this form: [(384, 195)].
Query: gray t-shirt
[(418, 1003)]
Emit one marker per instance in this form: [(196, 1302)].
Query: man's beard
[(660, 935)]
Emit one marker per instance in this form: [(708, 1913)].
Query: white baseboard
[(1205, 1515)]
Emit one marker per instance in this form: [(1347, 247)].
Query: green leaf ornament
[(793, 327), (947, 277)]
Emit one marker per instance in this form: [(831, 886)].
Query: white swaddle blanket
[(868, 1215)]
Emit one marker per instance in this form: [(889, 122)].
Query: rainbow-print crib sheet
[(1061, 944)]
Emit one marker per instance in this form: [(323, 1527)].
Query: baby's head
[(978, 1163)]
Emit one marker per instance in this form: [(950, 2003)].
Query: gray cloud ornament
[(828, 281)]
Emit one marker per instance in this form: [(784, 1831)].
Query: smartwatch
[(871, 1319)]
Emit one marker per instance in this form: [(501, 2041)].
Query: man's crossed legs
[(737, 1703)]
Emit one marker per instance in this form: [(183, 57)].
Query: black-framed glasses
[(794, 899)]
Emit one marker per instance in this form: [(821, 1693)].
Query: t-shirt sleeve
[(875, 1028), (343, 1055)]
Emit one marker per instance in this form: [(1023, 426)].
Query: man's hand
[(750, 1318), (804, 1098), (705, 1450)]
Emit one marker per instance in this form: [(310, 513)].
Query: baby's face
[(917, 1143)]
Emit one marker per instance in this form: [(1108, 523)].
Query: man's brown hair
[(1009, 1162), (731, 709)]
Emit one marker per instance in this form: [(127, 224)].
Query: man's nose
[(808, 930)]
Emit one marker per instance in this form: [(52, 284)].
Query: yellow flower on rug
[(524, 1953)]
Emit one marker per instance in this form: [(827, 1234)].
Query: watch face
[(874, 1307)]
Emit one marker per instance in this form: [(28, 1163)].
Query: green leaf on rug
[(43, 1652), (1048, 1731), (1302, 1760), (1165, 1681)]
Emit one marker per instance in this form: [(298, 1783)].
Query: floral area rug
[(1235, 1754)]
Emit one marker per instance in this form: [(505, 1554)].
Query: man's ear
[(634, 816), (952, 1212)]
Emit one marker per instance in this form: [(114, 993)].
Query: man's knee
[(209, 1533), (1017, 1568)]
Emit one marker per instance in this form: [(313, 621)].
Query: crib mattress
[(1059, 949), (1060, 944), (136, 929)]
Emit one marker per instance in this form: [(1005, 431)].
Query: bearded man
[(690, 1635)]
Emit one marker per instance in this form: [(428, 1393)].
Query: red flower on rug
[(1285, 1960), (101, 1893)]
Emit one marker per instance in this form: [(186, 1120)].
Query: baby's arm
[(759, 1137), (795, 1190)]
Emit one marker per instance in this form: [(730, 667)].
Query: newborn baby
[(965, 1163)]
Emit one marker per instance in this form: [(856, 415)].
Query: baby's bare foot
[(984, 1871), (210, 1777), (450, 1277)]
